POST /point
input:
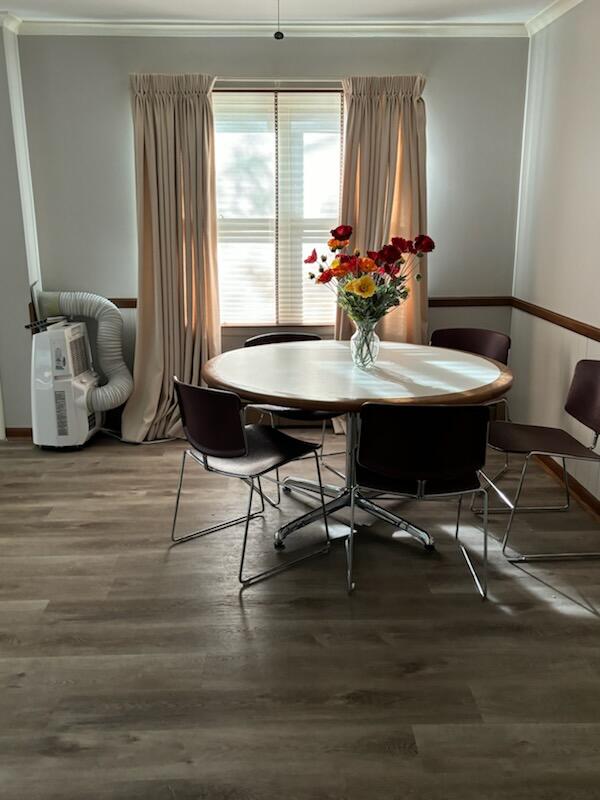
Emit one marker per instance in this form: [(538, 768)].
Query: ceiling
[(342, 11)]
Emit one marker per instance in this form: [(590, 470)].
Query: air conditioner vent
[(79, 355), (60, 403)]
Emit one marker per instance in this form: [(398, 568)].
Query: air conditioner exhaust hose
[(109, 342)]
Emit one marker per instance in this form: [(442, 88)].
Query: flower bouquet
[(367, 287)]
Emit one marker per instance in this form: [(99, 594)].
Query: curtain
[(178, 325), (384, 190)]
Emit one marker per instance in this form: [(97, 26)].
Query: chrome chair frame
[(512, 506), (255, 485), (481, 583)]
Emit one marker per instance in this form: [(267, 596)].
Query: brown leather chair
[(286, 412), (221, 443), (422, 452), (583, 404), (482, 342)]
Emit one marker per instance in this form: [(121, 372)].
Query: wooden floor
[(131, 670)]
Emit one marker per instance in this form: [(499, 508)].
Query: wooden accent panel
[(582, 328), (589, 501), (434, 302), (124, 302), (570, 324), (464, 302), (18, 433)]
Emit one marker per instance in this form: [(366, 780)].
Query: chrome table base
[(341, 497)]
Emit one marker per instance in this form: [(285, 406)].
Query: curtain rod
[(246, 79), (232, 89)]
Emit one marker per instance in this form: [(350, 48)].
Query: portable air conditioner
[(62, 377)]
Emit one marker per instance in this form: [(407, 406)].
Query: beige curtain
[(178, 326), (384, 190)]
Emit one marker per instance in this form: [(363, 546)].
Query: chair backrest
[(212, 420), (276, 338), (480, 341), (422, 442), (583, 400)]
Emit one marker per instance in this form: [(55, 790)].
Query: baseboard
[(18, 433), (584, 497)]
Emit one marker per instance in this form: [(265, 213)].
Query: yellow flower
[(363, 287)]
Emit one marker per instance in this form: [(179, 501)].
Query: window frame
[(275, 88)]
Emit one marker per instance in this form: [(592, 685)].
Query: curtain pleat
[(178, 326), (384, 190)]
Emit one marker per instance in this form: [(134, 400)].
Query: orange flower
[(337, 244), (338, 269), (367, 265)]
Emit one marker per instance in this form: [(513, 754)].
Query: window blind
[(278, 167)]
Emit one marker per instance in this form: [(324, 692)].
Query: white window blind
[(278, 165)]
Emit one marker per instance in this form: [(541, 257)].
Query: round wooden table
[(321, 375)]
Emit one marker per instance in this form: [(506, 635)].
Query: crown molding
[(9, 22), (258, 30), (549, 15)]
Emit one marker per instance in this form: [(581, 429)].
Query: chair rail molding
[(11, 26), (570, 324)]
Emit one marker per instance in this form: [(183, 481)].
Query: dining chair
[(286, 412), (480, 342), (583, 404), (221, 443), (423, 452)]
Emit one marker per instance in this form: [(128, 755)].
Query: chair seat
[(374, 480), (268, 449), (511, 437), (302, 414)]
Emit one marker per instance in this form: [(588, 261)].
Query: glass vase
[(364, 345)]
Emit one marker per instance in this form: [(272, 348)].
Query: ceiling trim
[(9, 22), (258, 30), (549, 15)]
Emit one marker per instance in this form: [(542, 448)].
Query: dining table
[(320, 375)]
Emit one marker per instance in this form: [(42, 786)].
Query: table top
[(321, 375)]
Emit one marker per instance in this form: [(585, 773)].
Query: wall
[(557, 256), (80, 137), (14, 290), (79, 118)]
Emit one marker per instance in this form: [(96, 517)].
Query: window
[(278, 165)]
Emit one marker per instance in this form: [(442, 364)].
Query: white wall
[(557, 262), (78, 111), (14, 290), (80, 137)]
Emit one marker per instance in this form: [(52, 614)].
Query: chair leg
[(261, 576), (508, 504), (460, 499), (349, 545), (481, 583), (514, 506), (565, 556), (203, 531)]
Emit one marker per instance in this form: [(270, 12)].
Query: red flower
[(404, 245), (390, 254), (342, 232), (325, 276), (312, 258), (374, 254), (424, 244)]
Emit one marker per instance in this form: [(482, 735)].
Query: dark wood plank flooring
[(132, 671)]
